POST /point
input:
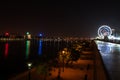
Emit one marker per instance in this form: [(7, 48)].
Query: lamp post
[(29, 68), (63, 55)]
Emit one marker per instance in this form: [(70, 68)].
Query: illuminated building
[(28, 35)]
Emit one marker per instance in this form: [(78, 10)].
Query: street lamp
[(29, 68), (63, 54)]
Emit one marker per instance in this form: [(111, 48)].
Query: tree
[(75, 55)]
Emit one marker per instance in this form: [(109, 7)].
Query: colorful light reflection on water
[(6, 49), (27, 49), (40, 47)]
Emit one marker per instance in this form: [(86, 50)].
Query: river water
[(14, 55), (110, 53)]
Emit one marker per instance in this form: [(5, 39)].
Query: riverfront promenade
[(88, 67)]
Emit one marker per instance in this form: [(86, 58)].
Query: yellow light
[(29, 36), (63, 52)]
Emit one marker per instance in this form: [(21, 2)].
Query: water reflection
[(27, 49), (6, 50), (40, 47), (111, 57), (104, 48)]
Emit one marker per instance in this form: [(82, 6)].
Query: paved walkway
[(76, 72), (83, 69)]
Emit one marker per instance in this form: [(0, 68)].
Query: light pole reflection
[(6, 49), (40, 47), (27, 48)]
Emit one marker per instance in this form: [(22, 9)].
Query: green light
[(27, 33), (27, 48)]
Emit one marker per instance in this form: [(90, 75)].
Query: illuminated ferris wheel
[(104, 30)]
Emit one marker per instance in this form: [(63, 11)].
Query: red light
[(6, 34), (6, 49)]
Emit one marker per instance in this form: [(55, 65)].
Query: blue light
[(40, 47), (40, 35)]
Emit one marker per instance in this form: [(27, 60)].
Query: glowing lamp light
[(63, 52), (6, 34), (27, 33), (29, 65), (40, 35), (29, 36)]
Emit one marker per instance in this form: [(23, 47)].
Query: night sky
[(58, 18)]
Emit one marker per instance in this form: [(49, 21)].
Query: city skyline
[(54, 18)]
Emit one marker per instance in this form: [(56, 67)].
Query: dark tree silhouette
[(75, 55)]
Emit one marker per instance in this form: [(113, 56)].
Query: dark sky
[(58, 18)]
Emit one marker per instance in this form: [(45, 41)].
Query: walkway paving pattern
[(83, 69)]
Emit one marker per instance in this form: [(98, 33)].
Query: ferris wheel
[(104, 30)]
